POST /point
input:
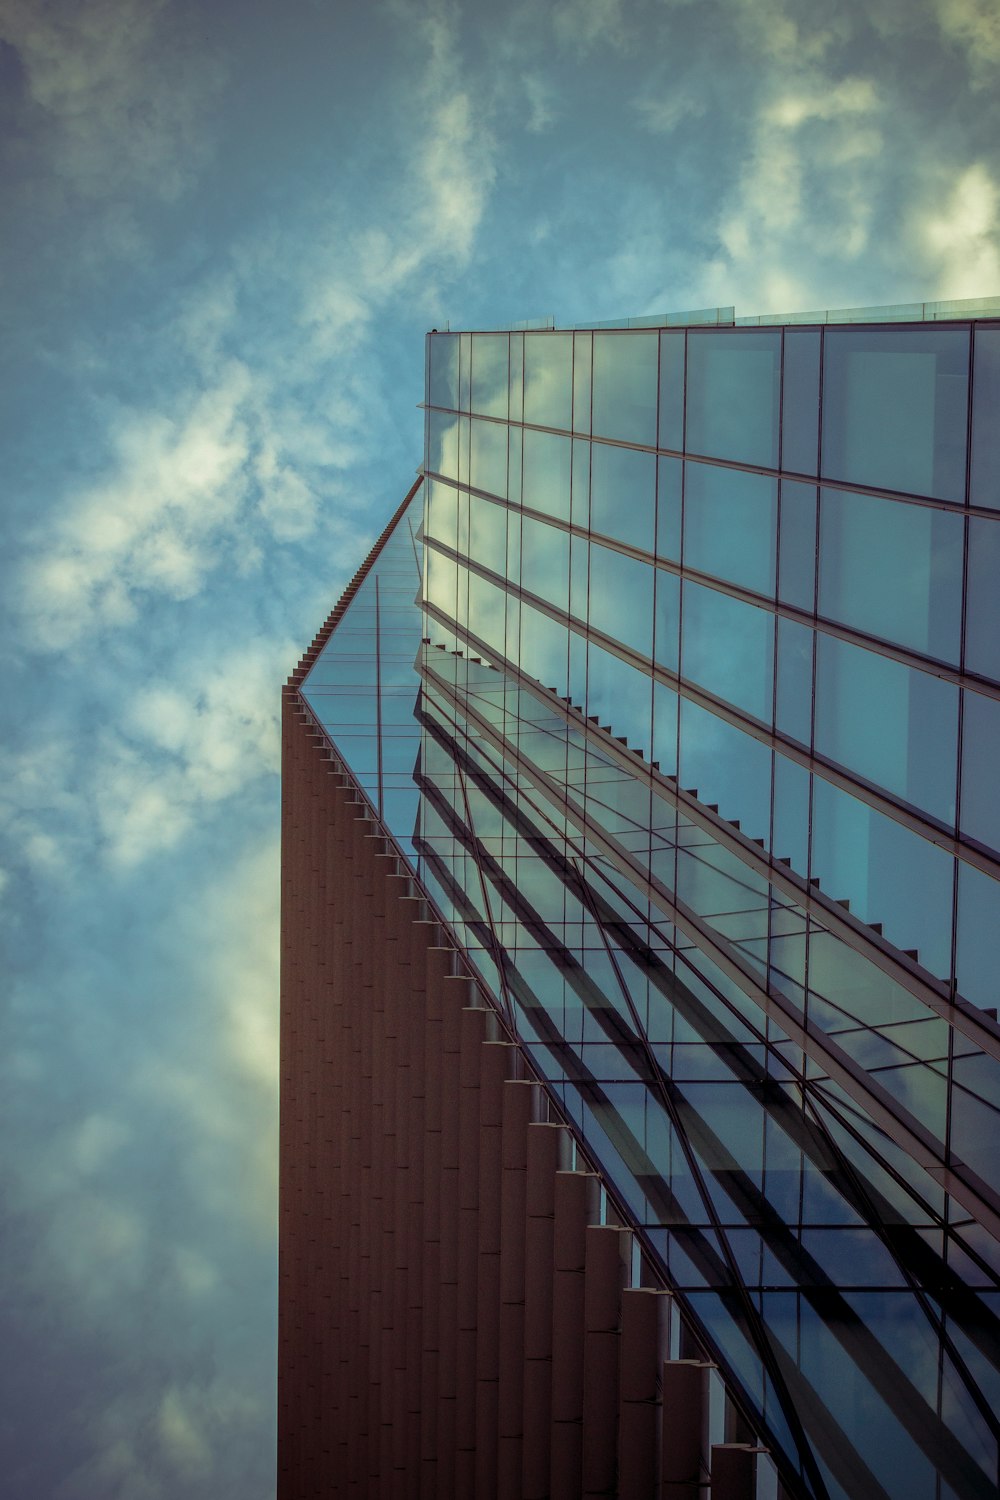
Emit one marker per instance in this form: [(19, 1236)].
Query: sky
[(226, 229)]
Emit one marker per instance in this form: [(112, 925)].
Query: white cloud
[(960, 236), (181, 1434), (974, 27), (119, 94), (96, 1141), (804, 194), (662, 113), (541, 101), (581, 25)]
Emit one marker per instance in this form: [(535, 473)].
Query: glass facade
[(679, 684)]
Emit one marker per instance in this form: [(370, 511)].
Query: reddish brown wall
[(453, 1322)]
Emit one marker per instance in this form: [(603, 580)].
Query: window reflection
[(621, 598), (892, 570), (442, 373), (625, 386), (985, 477), (894, 408), (982, 610), (488, 459), (893, 725), (729, 524), (623, 494), (490, 370), (980, 765), (548, 379), (728, 647), (800, 400), (546, 473), (671, 421), (732, 395), (797, 545)]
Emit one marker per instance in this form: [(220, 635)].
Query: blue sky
[(227, 228)]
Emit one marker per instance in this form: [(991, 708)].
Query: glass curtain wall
[(698, 757)]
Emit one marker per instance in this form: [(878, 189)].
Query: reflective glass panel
[(488, 534), (625, 386), (621, 598), (729, 524), (670, 473), (623, 494), (732, 395), (800, 400), (982, 618), (892, 570), (894, 408), (981, 769), (546, 473), (671, 427), (490, 374), (442, 444), (545, 562), (976, 967), (893, 725), (442, 373), (488, 460), (730, 769), (728, 648), (793, 700), (583, 362), (797, 545), (887, 873), (985, 478), (548, 379)]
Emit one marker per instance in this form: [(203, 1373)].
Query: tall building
[(641, 905)]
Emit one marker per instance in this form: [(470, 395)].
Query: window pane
[(621, 598), (546, 473), (671, 433), (548, 379), (729, 524), (729, 768), (625, 386), (441, 512), (622, 494), (892, 725), (668, 619), (583, 363), (490, 374), (729, 649), (800, 401), (793, 711), (980, 767), (790, 837), (487, 611), (982, 620), (488, 534), (892, 570), (442, 444), (442, 382), (488, 463), (620, 696), (797, 545), (732, 396), (665, 728), (543, 649), (978, 924), (894, 409), (886, 872), (985, 485), (668, 508), (545, 562)]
